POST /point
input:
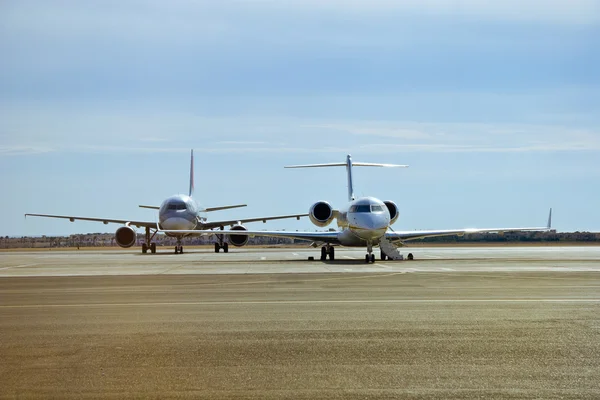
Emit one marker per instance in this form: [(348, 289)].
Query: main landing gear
[(221, 244), (327, 250), (148, 245)]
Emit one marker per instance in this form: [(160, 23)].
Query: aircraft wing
[(324, 237), (411, 235), (140, 224), (218, 224)]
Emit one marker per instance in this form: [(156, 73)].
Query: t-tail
[(348, 164), (192, 174)]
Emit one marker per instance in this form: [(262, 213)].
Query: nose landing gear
[(369, 257), (179, 247)]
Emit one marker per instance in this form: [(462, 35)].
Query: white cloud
[(550, 11)]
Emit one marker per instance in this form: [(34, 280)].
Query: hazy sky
[(494, 104)]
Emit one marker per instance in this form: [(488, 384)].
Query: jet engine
[(125, 236), (393, 209), (238, 240), (321, 214)]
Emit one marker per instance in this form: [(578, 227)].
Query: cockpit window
[(376, 208), (360, 209), (180, 206)]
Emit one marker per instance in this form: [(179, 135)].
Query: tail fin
[(192, 174), (348, 164)]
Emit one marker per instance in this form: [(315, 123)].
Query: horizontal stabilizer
[(355, 164), (209, 209), (150, 207)]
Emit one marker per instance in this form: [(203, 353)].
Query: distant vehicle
[(364, 222), (178, 216)]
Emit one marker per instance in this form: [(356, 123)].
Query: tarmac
[(468, 323)]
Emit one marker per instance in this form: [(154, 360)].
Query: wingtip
[(549, 225)]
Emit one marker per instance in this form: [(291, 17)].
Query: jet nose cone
[(176, 224), (370, 228)]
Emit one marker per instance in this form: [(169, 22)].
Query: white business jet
[(363, 222)]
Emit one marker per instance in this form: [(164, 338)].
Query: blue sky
[(493, 104)]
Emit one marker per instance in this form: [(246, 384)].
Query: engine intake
[(393, 209), (238, 240), (125, 236), (321, 214)]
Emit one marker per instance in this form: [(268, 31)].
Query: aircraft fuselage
[(362, 221), (180, 212)]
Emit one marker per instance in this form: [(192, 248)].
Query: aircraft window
[(172, 207), (181, 207), (360, 209), (375, 208)]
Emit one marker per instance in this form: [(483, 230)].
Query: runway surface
[(455, 323)]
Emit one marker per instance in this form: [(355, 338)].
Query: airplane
[(178, 216), (364, 222)]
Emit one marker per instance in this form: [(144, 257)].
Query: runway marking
[(263, 258), (295, 254), (447, 269), (350, 258), (19, 266), (288, 302), (382, 266)]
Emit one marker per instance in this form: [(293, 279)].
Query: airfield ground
[(484, 322)]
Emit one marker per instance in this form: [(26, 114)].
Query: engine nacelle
[(125, 236), (393, 209), (321, 214), (238, 240)]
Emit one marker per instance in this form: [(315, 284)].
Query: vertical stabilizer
[(350, 182), (192, 174)]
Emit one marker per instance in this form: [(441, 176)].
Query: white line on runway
[(350, 258), (279, 302), (19, 266), (382, 266), (295, 254), (263, 258)]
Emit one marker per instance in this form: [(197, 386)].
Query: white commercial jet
[(178, 216), (364, 222)]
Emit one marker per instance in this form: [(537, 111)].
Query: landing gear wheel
[(331, 253), (383, 256), (367, 258), (144, 248), (217, 247), (153, 248), (410, 256), (323, 253), (226, 248), (372, 257)]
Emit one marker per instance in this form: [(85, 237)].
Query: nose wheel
[(178, 247), (370, 257)]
